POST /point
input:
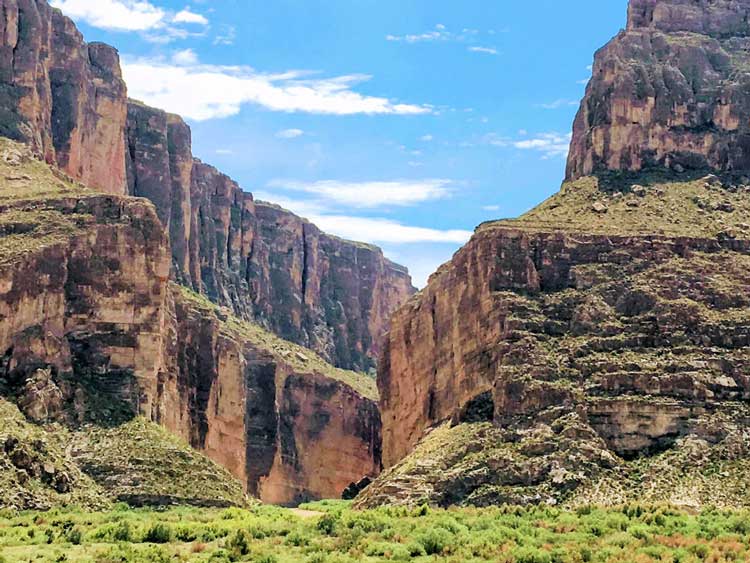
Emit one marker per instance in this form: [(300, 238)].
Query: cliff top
[(301, 359), (680, 207)]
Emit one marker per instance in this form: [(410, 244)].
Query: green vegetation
[(331, 532), (302, 359), (37, 209), (659, 206), (92, 466)]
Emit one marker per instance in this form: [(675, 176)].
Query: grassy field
[(331, 532)]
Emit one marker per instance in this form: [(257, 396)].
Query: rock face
[(584, 351), (291, 428), (67, 100), (93, 334), (266, 264), (596, 349), (670, 90), (63, 97)]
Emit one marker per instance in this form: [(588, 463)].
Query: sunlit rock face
[(265, 263), (63, 97), (671, 90)]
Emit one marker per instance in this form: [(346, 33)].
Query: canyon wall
[(93, 332), (669, 91), (67, 100), (265, 263), (64, 98), (289, 426), (595, 350)]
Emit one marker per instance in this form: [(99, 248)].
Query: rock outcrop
[(265, 263), (670, 90), (65, 98), (597, 348)]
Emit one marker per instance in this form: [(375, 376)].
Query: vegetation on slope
[(139, 462), (658, 204), (300, 358), (332, 533)]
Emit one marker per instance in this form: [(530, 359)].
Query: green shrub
[(158, 533), (531, 555), (327, 524), (435, 540), (238, 545), (74, 536), (122, 532)]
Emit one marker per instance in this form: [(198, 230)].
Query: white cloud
[(116, 15), (367, 229), (549, 144), (290, 133), (379, 230), (486, 50), (491, 208), (557, 104), (361, 195), (439, 33), (185, 57), (221, 91), (186, 16), (224, 151), (227, 36), (426, 138)]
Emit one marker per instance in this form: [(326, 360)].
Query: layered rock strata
[(266, 264), (67, 100)]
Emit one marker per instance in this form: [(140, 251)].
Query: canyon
[(139, 283)]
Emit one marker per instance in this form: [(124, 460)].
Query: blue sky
[(400, 122)]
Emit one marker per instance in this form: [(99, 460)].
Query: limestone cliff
[(596, 349), (63, 97), (291, 427), (670, 90), (265, 263)]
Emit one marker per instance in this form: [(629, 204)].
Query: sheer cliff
[(670, 90), (596, 349), (93, 334), (67, 100)]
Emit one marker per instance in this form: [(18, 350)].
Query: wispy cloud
[(360, 195), (375, 230), (290, 133), (187, 16), (130, 16), (221, 91), (491, 208), (550, 145), (185, 57), (485, 50), (226, 36), (559, 103), (442, 34)]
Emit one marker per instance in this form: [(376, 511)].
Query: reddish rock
[(65, 98), (670, 90), (265, 263)]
